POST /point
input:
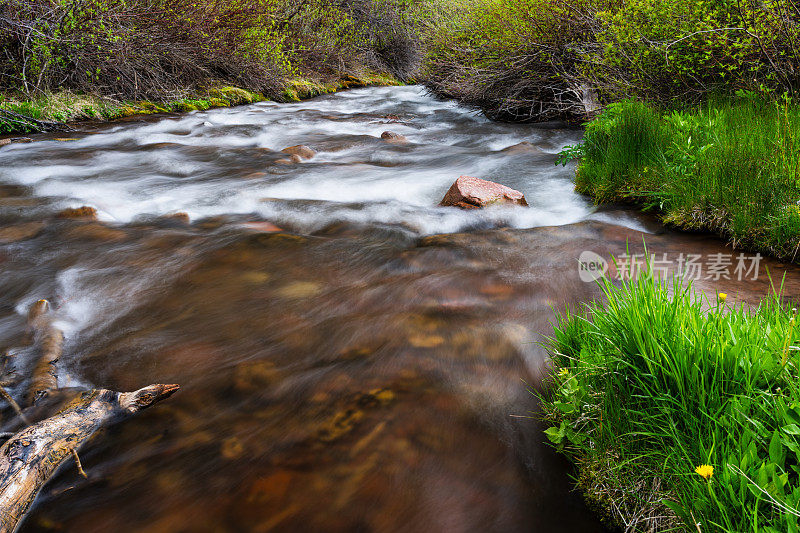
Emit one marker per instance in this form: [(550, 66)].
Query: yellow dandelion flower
[(705, 470), (722, 297), (563, 372)]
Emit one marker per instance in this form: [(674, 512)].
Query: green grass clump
[(66, 106), (58, 107), (659, 381), (732, 167)]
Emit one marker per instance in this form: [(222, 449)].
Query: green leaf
[(677, 509), (777, 452), (792, 429), (555, 434), (565, 407)]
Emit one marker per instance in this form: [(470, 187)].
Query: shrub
[(154, 49), (132, 48), (667, 50), (546, 59), (515, 60)]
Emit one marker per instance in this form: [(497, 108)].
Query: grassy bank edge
[(728, 168), (680, 414), (67, 107)]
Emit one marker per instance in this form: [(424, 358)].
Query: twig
[(78, 463), (14, 405)]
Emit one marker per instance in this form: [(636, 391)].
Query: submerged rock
[(263, 227), (472, 193), (254, 175), (522, 148), (95, 232), (20, 232), (292, 160), (392, 137), (301, 151)]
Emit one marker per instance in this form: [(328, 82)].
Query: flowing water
[(352, 357)]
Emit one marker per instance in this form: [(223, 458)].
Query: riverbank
[(679, 412), (64, 107), (101, 59), (730, 168)]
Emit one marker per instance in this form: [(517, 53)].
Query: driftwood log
[(30, 457)]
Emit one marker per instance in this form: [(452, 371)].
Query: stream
[(351, 356)]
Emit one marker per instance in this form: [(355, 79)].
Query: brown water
[(362, 370)]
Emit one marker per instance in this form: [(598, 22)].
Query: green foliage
[(144, 50), (731, 167), (659, 381), (537, 58), (514, 59), (55, 107), (678, 48)]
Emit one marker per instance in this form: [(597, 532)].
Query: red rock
[(394, 138), (4, 142), (180, 216), (85, 212), (291, 161), (263, 227), (301, 150), (254, 175), (471, 193)]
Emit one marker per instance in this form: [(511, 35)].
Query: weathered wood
[(31, 456), (49, 341), (24, 121)]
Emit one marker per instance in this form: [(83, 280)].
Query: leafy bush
[(152, 49), (679, 49), (515, 60), (731, 167), (680, 411), (546, 59)]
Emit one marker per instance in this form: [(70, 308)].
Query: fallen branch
[(49, 341), (25, 121), (31, 456)]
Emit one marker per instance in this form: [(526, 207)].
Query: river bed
[(352, 357)]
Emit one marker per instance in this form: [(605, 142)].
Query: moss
[(217, 102), (186, 106), (150, 107), (235, 95), (66, 106), (300, 89)]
